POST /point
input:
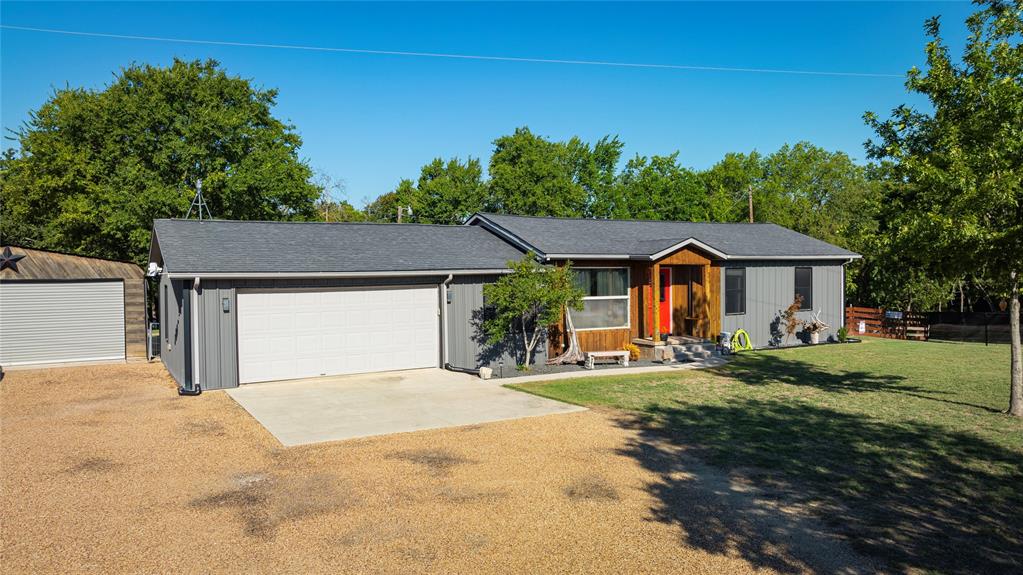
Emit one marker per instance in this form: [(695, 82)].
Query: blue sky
[(371, 120)]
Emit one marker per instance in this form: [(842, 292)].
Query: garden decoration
[(573, 354), (815, 326)]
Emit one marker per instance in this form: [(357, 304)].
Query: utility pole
[(749, 194), (407, 210)]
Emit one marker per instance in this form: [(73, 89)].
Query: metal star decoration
[(9, 260)]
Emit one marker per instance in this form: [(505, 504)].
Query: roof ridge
[(412, 224), (487, 214)]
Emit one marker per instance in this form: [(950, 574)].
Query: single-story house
[(244, 302), (705, 277), (59, 309)]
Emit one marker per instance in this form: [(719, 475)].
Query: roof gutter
[(653, 257), (588, 257), (301, 275), (831, 257)]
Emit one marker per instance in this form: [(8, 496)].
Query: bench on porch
[(621, 356)]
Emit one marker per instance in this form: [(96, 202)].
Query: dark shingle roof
[(221, 246), (636, 238)]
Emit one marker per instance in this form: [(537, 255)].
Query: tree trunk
[(525, 344), (1016, 373)]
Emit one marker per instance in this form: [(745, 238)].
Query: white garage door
[(290, 334), (58, 322)]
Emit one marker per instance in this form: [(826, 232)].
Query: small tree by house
[(789, 320), (527, 300)]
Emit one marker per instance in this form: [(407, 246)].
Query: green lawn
[(901, 445)]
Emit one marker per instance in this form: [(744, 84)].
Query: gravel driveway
[(106, 469)]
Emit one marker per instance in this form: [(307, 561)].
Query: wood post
[(655, 304), (705, 321)]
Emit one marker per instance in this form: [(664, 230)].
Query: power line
[(453, 56)]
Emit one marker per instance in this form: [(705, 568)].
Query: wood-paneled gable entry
[(695, 296)]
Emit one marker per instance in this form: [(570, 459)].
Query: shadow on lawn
[(763, 368), (914, 495)]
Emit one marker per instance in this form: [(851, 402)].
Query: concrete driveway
[(333, 408)]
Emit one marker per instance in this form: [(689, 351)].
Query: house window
[(606, 298), (804, 286), (735, 290)]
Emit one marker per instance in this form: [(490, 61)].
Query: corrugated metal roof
[(638, 238), (239, 247), (44, 264)]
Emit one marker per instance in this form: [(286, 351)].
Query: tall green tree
[(962, 162), (804, 187), (449, 192), (659, 188), (814, 191), (94, 168), (729, 183), (531, 175), (385, 207), (445, 193)]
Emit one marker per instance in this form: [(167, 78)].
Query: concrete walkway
[(614, 371), (306, 411)]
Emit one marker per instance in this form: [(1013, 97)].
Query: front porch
[(676, 301), (685, 285)]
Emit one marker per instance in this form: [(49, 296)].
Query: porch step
[(694, 351)]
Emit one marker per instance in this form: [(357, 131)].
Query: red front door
[(663, 305)]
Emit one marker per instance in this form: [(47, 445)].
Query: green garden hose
[(741, 341)]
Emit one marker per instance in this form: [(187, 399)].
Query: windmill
[(198, 203)]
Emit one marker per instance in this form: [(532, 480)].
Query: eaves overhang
[(326, 275)]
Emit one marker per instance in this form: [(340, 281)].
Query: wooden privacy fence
[(879, 322)]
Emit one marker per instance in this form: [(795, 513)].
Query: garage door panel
[(56, 322), (309, 333)]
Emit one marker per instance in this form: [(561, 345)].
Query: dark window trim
[(743, 290), (807, 304)]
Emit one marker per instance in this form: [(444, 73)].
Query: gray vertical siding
[(218, 337), (466, 341), (770, 288), (173, 332), (218, 362)]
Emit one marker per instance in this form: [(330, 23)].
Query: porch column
[(655, 303), (709, 297)]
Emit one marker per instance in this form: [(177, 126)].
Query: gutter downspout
[(193, 387), (444, 329), (145, 318), (444, 320), (844, 319)]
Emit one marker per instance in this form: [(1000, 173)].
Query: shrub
[(843, 334), (633, 350)]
